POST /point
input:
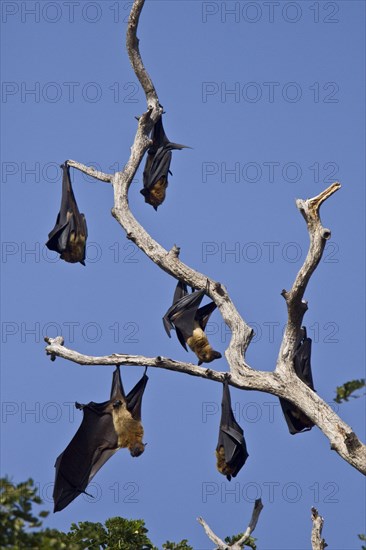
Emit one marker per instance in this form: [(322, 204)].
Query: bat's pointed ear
[(155, 208), (82, 262)]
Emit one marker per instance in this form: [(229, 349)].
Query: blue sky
[(271, 98)]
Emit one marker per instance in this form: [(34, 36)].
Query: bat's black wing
[(231, 436), (302, 360), (134, 398), (182, 315), (204, 313), (93, 444), (69, 235), (117, 390), (157, 166), (180, 292), (159, 156), (95, 441), (296, 420)]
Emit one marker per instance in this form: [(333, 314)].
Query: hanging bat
[(190, 322), (296, 420), (69, 235), (231, 450), (105, 428), (159, 156)]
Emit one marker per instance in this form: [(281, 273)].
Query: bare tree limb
[(296, 307), (220, 544), (56, 348), (258, 507), (90, 171), (317, 543), (238, 545), (342, 438), (132, 46), (283, 382)]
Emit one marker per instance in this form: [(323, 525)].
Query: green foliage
[(345, 391), (182, 545), (362, 537), (116, 533), (17, 518), (250, 543)]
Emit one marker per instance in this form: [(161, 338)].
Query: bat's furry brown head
[(209, 356), (137, 449)]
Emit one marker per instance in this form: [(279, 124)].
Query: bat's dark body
[(296, 420), (159, 156), (106, 427), (231, 450), (69, 235), (190, 322)]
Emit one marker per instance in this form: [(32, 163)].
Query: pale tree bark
[(239, 544), (283, 381), (317, 543)]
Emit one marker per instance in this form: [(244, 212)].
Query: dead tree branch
[(220, 544), (282, 382), (258, 507), (296, 307), (317, 543), (238, 545), (56, 348), (90, 171)]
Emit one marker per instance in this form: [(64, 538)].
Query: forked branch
[(239, 544)]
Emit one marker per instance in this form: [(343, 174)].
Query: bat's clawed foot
[(58, 341), (174, 251), (207, 285), (219, 289), (326, 234)]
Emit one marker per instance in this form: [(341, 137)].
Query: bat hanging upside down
[(105, 428), (231, 450), (69, 235), (296, 420), (190, 322), (159, 156)]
